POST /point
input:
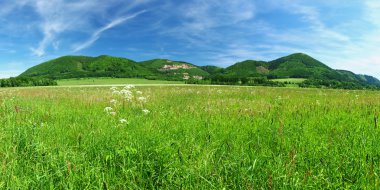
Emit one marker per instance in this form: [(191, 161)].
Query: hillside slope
[(301, 66), (81, 66), (248, 68), (107, 66), (297, 65)]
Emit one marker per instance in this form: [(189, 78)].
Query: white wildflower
[(139, 92), (125, 92), (112, 113), (113, 101), (108, 109), (129, 98), (123, 121), (114, 88), (141, 99), (116, 92), (145, 111), (128, 87)]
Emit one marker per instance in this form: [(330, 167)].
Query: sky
[(344, 34)]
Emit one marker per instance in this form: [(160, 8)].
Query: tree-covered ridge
[(108, 66), (81, 66), (297, 65)]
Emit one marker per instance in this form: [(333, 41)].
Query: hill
[(248, 68), (301, 66), (297, 65), (107, 66), (82, 66)]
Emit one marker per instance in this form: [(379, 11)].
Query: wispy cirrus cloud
[(218, 32), (203, 26), (350, 44), (96, 35), (59, 16)]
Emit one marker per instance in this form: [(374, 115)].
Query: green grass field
[(111, 81), (188, 137), (291, 80)]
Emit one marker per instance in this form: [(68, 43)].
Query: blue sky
[(342, 34)]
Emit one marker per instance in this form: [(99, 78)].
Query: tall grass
[(193, 138)]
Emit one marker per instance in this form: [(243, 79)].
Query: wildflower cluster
[(123, 98)]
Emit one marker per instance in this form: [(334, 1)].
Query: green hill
[(81, 66), (248, 68), (301, 66), (212, 69), (107, 66), (297, 65)]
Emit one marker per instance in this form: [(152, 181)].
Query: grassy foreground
[(111, 81), (186, 137)]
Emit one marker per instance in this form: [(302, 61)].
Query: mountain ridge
[(297, 65)]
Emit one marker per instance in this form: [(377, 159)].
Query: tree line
[(235, 80), (316, 83), (264, 81)]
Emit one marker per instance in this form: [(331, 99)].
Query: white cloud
[(221, 31), (96, 35), (361, 53), (59, 16), (206, 14), (337, 46), (200, 18)]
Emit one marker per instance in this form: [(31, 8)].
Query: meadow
[(111, 81), (290, 80), (188, 137)]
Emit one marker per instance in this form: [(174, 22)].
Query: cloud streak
[(218, 32), (56, 17), (96, 35)]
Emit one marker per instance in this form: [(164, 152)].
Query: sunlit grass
[(290, 80), (194, 137), (110, 81)]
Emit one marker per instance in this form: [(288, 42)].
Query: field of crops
[(188, 137)]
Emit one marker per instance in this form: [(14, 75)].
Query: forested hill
[(297, 65), (108, 66)]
